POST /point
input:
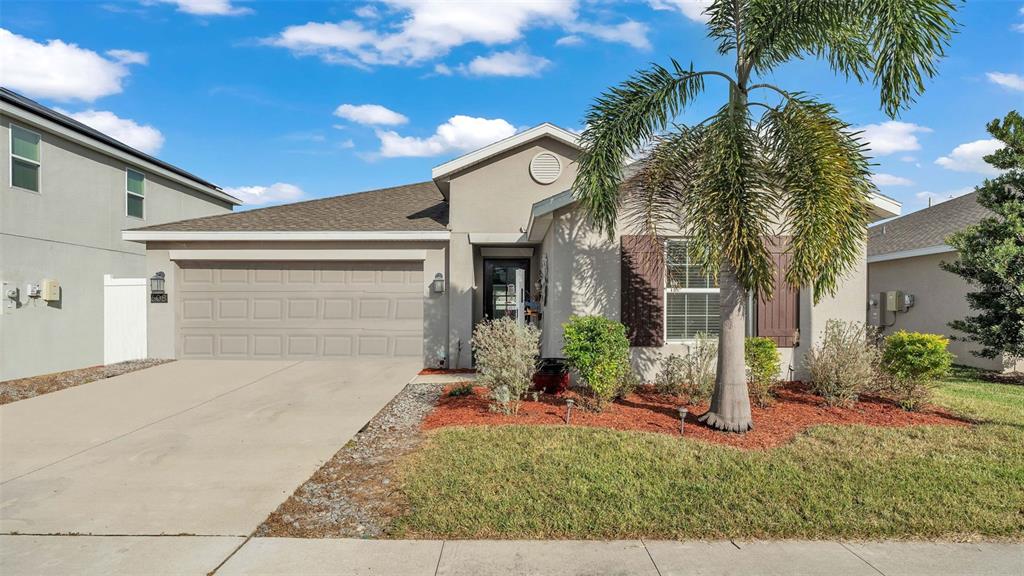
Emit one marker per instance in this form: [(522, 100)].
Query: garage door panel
[(300, 310)]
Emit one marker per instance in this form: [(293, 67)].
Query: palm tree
[(769, 161)]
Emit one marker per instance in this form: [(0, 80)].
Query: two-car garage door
[(299, 309)]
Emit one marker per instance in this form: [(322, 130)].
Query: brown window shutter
[(643, 289), (779, 318)]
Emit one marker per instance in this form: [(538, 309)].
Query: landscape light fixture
[(682, 419), (568, 409)]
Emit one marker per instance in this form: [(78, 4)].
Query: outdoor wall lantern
[(437, 286), (156, 283)]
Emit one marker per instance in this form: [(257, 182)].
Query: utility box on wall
[(49, 290), (877, 309), (894, 301)]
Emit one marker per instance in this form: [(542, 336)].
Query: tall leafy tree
[(992, 251), (769, 161)]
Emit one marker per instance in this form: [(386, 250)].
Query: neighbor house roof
[(924, 231), (77, 128), (410, 208)]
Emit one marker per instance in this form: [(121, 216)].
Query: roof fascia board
[(885, 207), (78, 138), (479, 155), (541, 214), (197, 236), (926, 251), (298, 255)]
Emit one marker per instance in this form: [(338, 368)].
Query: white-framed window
[(25, 159), (691, 298), (135, 193)]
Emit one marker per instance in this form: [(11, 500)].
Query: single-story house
[(409, 270), (904, 255)]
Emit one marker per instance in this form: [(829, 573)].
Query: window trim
[(128, 192), (38, 163), (666, 290)]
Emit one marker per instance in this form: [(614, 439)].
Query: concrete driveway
[(190, 447)]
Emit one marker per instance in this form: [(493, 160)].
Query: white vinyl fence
[(124, 319)]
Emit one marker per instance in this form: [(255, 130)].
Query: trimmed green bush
[(914, 361), (762, 358), (506, 359), (598, 350)]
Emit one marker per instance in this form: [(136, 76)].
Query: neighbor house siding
[(939, 297), (71, 231)]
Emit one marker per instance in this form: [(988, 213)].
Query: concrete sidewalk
[(223, 556)]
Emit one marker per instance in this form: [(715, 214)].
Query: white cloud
[(969, 157), (932, 198), (208, 7), (518, 63), (570, 40), (458, 134), (371, 114), (276, 193), (139, 136), (1006, 80), (882, 179), (59, 70), (692, 9), (891, 136), (368, 12), (129, 57), (415, 32), (442, 69), (629, 32)]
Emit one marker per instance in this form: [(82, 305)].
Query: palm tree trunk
[(730, 404)]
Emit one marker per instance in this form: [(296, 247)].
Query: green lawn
[(831, 482)]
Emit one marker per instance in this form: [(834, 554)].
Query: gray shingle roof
[(413, 207), (926, 228)]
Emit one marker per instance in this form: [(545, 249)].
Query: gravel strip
[(24, 388), (354, 494)]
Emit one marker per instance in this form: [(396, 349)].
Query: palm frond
[(620, 122), (820, 167), (653, 191)]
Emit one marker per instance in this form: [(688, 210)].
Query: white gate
[(124, 319)]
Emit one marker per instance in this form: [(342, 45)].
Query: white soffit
[(543, 130), (926, 251)]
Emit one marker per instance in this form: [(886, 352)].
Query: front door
[(500, 286)]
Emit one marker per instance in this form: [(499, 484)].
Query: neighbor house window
[(691, 298), (136, 190), (24, 159)]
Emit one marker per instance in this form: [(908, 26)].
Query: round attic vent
[(545, 168)]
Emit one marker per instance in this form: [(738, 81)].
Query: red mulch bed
[(428, 371), (795, 410)]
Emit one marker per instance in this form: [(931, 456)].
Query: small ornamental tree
[(992, 251), (597, 348)]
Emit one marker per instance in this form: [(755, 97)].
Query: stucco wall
[(493, 197), (71, 231), (939, 298), (162, 317)]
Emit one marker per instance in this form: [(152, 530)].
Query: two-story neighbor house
[(409, 270), (68, 192)]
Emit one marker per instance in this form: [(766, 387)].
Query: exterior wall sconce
[(156, 283), (437, 285)]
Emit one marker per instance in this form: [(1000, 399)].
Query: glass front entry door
[(500, 286)]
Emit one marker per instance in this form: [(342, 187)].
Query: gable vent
[(545, 168)]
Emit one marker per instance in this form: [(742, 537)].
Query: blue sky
[(279, 101)]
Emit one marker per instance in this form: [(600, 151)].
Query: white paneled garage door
[(299, 309)]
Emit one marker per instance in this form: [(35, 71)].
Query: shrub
[(598, 350), (691, 376), (762, 359), (506, 359), (844, 364), (459, 390), (914, 361), (628, 384)]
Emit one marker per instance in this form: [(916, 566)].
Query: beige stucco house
[(904, 255), (68, 192), (409, 270)]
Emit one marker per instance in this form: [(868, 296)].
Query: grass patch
[(831, 482)]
